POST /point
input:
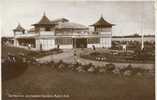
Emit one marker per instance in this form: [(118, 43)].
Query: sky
[(129, 17)]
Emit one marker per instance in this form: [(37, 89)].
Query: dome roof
[(44, 21), (19, 28), (102, 22)]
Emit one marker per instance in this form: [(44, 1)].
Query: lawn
[(80, 86), (43, 80), (121, 57), (29, 53)]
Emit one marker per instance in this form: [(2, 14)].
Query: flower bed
[(90, 68), (120, 57)]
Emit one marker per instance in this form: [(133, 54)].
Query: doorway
[(80, 43)]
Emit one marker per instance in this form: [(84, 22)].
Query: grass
[(37, 54), (13, 50), (80, 86), (120, 58)]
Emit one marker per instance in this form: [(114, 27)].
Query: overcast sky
[(127, 16)]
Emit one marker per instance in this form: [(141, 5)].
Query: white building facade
[(61, 33)]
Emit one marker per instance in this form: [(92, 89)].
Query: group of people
[(11, 59)]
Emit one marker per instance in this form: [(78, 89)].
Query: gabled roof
[(56, 21), (102, 22), (19, 28), (70, 25), (44, 21)]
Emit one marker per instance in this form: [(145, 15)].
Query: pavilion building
[(61, 33)]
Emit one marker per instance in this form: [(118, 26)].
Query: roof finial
[(44, 13), (18, 23), (101, 15)]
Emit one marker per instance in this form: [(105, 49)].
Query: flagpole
[(142, 38), (142, 34)]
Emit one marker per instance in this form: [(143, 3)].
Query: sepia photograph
[(78, 50)]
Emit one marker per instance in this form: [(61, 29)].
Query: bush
[(60, 62), (110, 67), (61, 67), (129, 67), (91, 69), (86, 67), (132, 71), (101, 69), (71, 66), (77, 64), (116, 71), (138, 70), (80, 69), (127, 73)]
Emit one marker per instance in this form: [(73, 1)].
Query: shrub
[(77, 64), (86, 67), (60, 62), (51, 62), (61, 66), (101, 70), (110, 67), (138, 70), (116, 71), (80, 69), (129, 67), (139, 74), (71, 66), (133, 71), (91, 69), (127, 73)]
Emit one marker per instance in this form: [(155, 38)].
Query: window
[(47, 29), (63, 41)]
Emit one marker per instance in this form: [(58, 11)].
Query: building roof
[(70, 25), (102, 22), (56, 21), (19, 28), (44, 21)]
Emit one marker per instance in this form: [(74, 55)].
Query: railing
[(47, 33), (32, 34), (72, 35), (76, 36)]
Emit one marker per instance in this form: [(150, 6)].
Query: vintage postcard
[(78, 50)]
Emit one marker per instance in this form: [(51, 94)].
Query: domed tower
[(44, 28), (19, 30), (104, 29), (44, 24)]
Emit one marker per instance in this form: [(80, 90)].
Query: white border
[(155, 7)]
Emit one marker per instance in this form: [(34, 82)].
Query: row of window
[(103, 29), (66, 41)]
